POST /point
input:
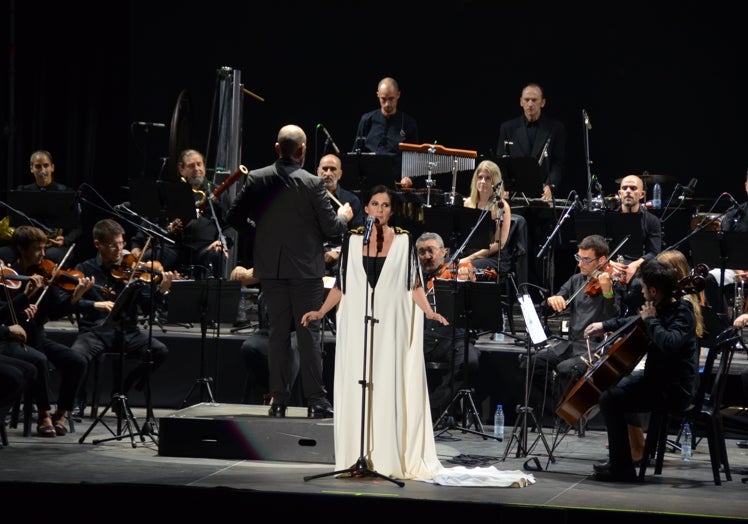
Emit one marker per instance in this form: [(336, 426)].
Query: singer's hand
[(346, 211)]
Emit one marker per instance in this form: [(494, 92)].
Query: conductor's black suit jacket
[(293, 218)]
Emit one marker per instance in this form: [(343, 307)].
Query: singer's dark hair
[(381, 188)]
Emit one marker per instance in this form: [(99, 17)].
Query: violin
[(9, 277), (66, 279), (451, 273), (132, 268), (592, 287)]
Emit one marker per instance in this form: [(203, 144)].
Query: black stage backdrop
[(663, 87)]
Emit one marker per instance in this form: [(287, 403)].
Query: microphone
[(334, 145), (578, 205), (149, 124), (370, 220), (544, 153), (123, 206), (586, 117), (690, 189)]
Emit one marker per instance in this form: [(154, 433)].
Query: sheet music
[(532, 322)]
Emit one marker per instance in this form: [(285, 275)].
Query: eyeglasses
[(584, 260), (115, 245)]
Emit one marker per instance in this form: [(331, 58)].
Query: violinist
[(670, 372), (441, 343), (593, 300), (53, 302), (632, 194), (486, 193), (105, 269), (198, 238), (15, 310)]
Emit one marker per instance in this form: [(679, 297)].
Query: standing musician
[(199, 239), (107, 269), (535, 135), (632, 194), (53, 302), (670, 373), (588, 296)]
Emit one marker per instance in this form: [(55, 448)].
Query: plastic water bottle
[(657, 196), (685, 446), (498, 422)]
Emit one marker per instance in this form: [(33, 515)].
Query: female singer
[(378, 281)]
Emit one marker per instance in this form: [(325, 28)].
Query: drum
[(706, 222)]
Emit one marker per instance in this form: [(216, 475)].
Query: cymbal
[(649, 178)]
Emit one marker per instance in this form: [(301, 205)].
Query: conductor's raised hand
[(346, 211)]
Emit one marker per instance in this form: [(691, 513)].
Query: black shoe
[(602, 467), (743, 444), (609, 476), (320, 410), (277, 410)]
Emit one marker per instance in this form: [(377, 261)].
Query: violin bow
[(137, 262), (54, 273)]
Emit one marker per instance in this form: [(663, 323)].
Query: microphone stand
[(556, 229), (586, 126), (30, 220)]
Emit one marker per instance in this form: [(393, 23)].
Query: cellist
[(670, 373)]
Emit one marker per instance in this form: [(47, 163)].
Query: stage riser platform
[(245, 432)]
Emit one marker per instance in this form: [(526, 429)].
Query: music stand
[(217, 301), (454, 223), (366, 170), (54, 209), (118, 403), (145, 197), (179, 199), (536, 337), (521, 175), (466, 305)]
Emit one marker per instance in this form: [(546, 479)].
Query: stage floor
[(135, 482)]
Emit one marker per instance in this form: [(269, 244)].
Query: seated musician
[(486, 193), (438, 343), (59, 241), (330, 169), (670, 372), (631, 193), (53, 302), (107, 271), (199, 239), (588, 297)]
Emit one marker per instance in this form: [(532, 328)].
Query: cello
[(617, 357)]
